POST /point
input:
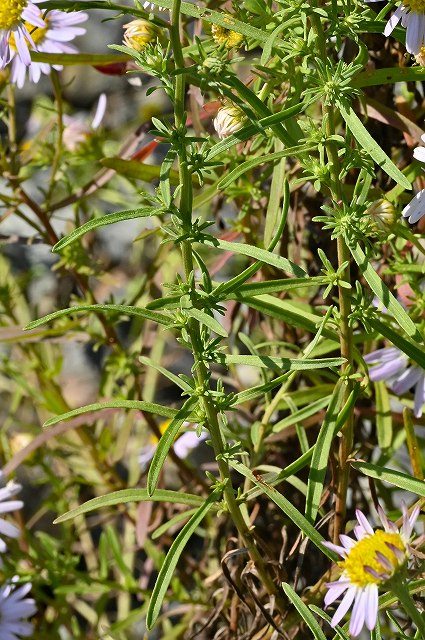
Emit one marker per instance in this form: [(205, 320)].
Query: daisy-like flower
[(14, 607), (6, 506), (77, 131), (369, 561), (51, 35), (139, 33), (17, 19), (392, 366), (412, 16), (416, 207), (222, 36)]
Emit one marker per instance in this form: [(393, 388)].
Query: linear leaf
[(401, 480), (258, 254), (103, 308), (301, 414), (167, 374), (385, 296), (384, 423), (208, 321), (304, 612), (287, 364), (111, 218), (173, 555), (319, 461), (274, 286), (165, 443), (130, 495), (367, 143), (137, 170), (139, 405), (339, 632), (417, 354)]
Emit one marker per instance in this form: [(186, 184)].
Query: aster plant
[(221, 277)]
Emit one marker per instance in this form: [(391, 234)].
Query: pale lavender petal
[(64, 35), (415, 32), (371, 606), (10, 505), (419, 398), (387, 524), (363, 521), (33, 15), (345, 605), (385, 354), (386, 370), (100, 112), (335, 590), (22, 46), (359, 613), (383, 560), (61, 19), (393, 21), (8, 529), (347, 541), (419, 154), (416, 208), (407, 379)]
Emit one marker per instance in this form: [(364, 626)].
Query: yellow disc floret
[(364, 555), (417, 6), (222, 36), (37, 34), (10, 12)]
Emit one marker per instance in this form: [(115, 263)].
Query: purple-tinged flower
[(52, 34), (183, 445), (367, 563), (14, 607), (412, 16), (17, 19), (392, 365), (77, 131), (6, 506)]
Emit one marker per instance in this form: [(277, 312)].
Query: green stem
[(185, 207)]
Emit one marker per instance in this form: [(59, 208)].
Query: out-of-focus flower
[(6, 506), (152, 5), (420, 57), (392, 366), (139, 33), (14, 607), (76, 131), (18, 18), (382, 214), (183, 445), (222, 36), (228, 120), (368, 562), (51, 35), (412, 16)]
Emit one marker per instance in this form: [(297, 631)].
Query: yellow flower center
[(10, 12), (37, 34), (226, 37), (363, 555), (418, 6)]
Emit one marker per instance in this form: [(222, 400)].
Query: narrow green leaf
[(262, 255), (320, 459), (208, 321), (130, 495), (173, 555), (293, 514), (165, 443), (273, 286), (304, 612), (111, 218), (138, 170), (401, 480), (378, 77), (301, 414), (255, 162), (167, 374), (367, 143), (286, 364), (103, 308), (384, 423), (339, 632), (385, 296), (139, 405), (172, 522)]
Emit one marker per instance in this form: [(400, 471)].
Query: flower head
[(14, 606), (139, 33), (6, 506), (51, 34), (368, 562), (183, 444), (382, 214), (17, 19), (228, 120), (391, 364), (77, 131), (222, 36), (412, 16), (416, 207)]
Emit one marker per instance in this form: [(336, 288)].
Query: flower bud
[(228, 120), (139, 33), (382, 214)]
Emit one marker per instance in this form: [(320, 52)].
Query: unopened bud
[(228, 120), (382, 214), (139, 33)]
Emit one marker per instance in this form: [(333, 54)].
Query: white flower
[(17, 18), (228, 120), (416, 207), (152, 5), (76, 131), (14, 606), (7, 505), (368, 562), (412, 16), (50, 35)]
